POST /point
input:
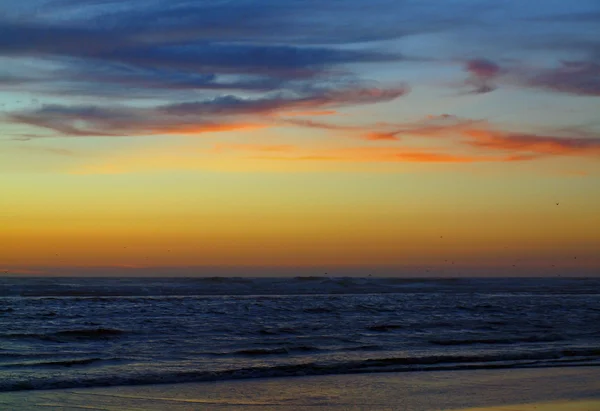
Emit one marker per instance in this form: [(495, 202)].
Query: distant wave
[(303, 285), (571, 357), (295, 349), (310, 278)]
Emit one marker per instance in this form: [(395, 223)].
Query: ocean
[(91, 332)]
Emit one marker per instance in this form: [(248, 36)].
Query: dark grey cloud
[(277, 61), (35, 39), (110, 80), (294, 22), (150, 56), (200, 57)]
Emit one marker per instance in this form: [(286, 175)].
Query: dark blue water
[(67, 332)]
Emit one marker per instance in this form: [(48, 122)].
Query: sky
[(347, 137)]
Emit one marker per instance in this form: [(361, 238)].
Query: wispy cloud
[(382, 155), (482, 75), (571, 77), (218, 114), (480, 134), (540, 144)]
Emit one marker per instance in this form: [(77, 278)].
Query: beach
[(551, 389)]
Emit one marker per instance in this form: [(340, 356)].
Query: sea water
[(88, 332)]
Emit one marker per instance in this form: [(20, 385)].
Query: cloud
[(31, 39), (382, 155), (111, 79), (214, 66), (480, 134), (322, 125), (97, 62), (222, 113), (98, 122), (295, 22), (288, 62), (317, 99), (571, 77), (106, 47), (119, 53), (444, 125), (11, 81), (482, 73), (464, 141), (224, 147), (540, 144), (520, 145)]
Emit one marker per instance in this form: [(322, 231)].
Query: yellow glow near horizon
[(296, 219)]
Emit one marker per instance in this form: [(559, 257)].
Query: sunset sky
[(393, 137)]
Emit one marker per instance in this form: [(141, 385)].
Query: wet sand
[(593, 405), (550, 389)]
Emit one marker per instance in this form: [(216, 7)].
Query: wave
[(279, 350), (62, 363), (372, 347), (572, 357), (69, 335), (514, 340), (384, 327), (277, 331), (90, 333), (318, 310)]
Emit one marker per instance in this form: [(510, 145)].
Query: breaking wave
[(572, 357)]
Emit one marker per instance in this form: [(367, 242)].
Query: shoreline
[(282, 372), (585, 405), (574, 388)]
